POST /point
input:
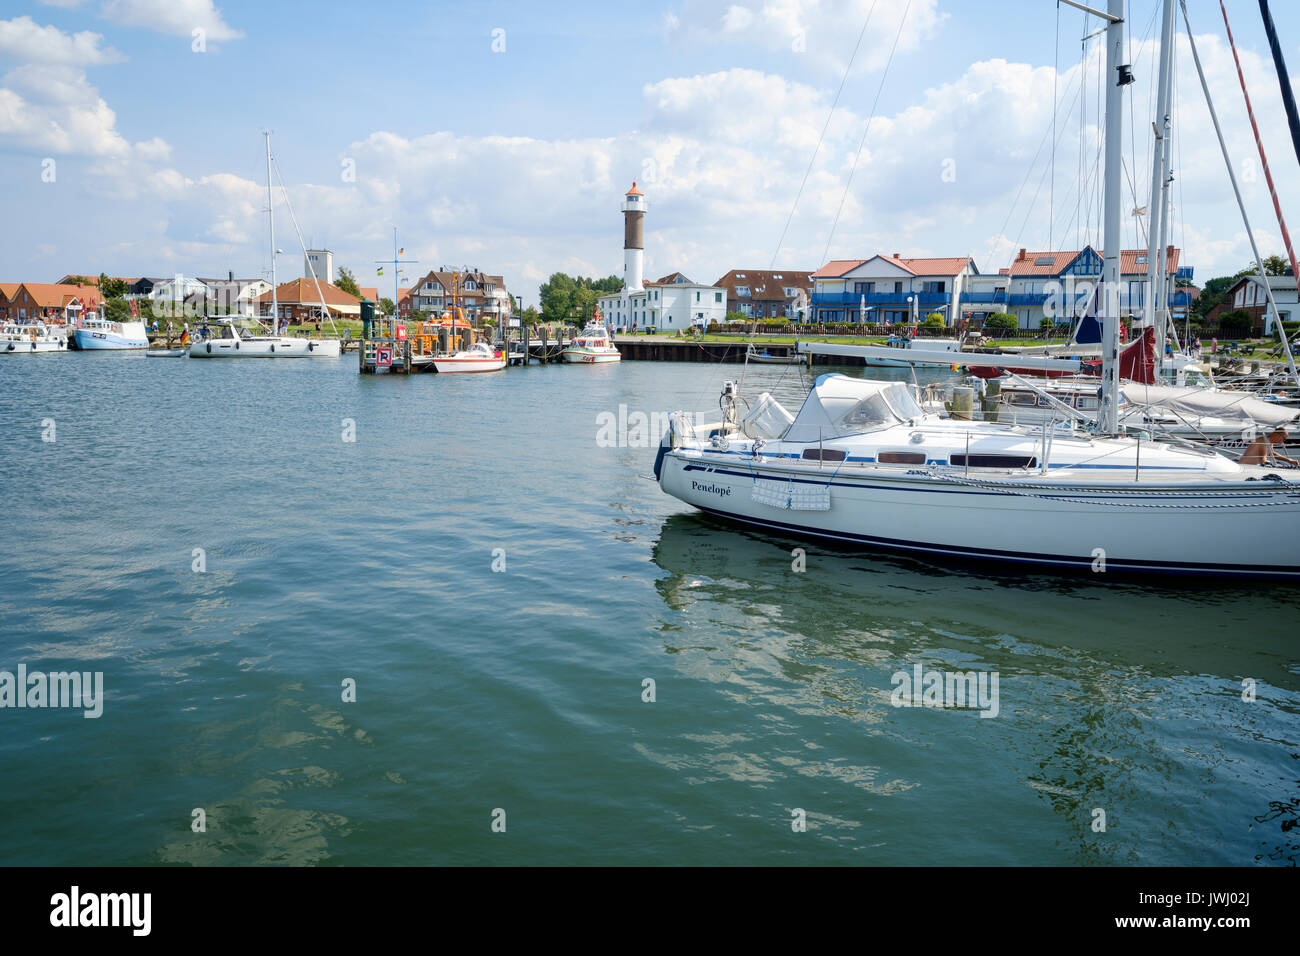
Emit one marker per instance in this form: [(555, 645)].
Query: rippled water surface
[(522, 689)]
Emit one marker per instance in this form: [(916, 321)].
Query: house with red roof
[(768, 293), (299, 301), (890, 289), (51, 302)]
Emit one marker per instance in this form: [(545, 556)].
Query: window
[(776, 277), (1023, 399), (740, 275), (790, 292), (863, 287), (898, 288), (717, 297), (902, 458), (1045, 261), (823, 454), (994, 461), (697, 297), (1142, 260), (742, 292)]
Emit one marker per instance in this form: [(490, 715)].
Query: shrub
[(1002, 321), (933, 321), (1235, 324)]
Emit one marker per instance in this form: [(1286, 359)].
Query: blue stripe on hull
[(1012, 557), (88, 343)]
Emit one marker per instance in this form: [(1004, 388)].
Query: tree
[(387, 307), (1236, 324), (933, 321), (530, 316), (734, 317), (111, 288), (117, 309), (584, 300), (1002, 320), (348, 282)]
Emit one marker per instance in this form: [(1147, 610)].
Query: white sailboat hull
[(1079, 525), (250, 348), (32, 346), (323, 348)]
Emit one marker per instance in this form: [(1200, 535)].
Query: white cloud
[(24, 40), (823, 31), (177, 17), (48, 104)]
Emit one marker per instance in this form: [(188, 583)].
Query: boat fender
[(236, 346), (272, 348), (659, 458), (209, 348), (311, 346)]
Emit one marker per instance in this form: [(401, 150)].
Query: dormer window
[(1045, 260), (1142, 260)]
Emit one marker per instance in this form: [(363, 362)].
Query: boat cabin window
[(1024, 399), (823, 454), (993, 461), (1089, 403), (901, 458)]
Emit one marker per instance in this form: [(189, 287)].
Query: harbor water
[(537, 636)]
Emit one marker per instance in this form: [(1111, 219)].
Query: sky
[(502, 136)]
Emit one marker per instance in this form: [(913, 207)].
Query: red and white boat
[(480, 357)]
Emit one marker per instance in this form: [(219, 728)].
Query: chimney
[(896, 255), (231, 274), (1020, 257)]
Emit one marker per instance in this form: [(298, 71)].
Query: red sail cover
[(1137, 360)]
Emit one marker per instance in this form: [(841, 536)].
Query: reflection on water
[(1116, 697)]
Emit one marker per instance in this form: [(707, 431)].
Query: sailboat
[(220, 337), (862, 462)]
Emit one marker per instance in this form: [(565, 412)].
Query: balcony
[(987, 298), (926, 299), (1028, 298)]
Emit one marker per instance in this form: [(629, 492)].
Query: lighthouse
[(634, 207)]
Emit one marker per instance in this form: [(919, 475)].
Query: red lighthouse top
[(634, 191)]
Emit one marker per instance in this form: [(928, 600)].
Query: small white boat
[(23, 338), (165, 353), (220, 338), (592, 346), (97, 333), (480, 357), (766, 358)]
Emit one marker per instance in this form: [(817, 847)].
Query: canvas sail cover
[(1191, 404)]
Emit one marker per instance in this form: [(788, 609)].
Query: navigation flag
[(401, 251), (381, 271)]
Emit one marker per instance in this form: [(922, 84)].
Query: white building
[(668, 305), (890, 289), (322, 260)]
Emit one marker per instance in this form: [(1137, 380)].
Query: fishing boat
[(100, 333), (27, 337), (862, 462), (594, 345)]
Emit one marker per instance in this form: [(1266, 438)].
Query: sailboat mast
[(270, 216), (1159, 153), (1117, 77)]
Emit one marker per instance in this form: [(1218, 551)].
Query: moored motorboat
[(593, 346), (479, 357), (29, 337)]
